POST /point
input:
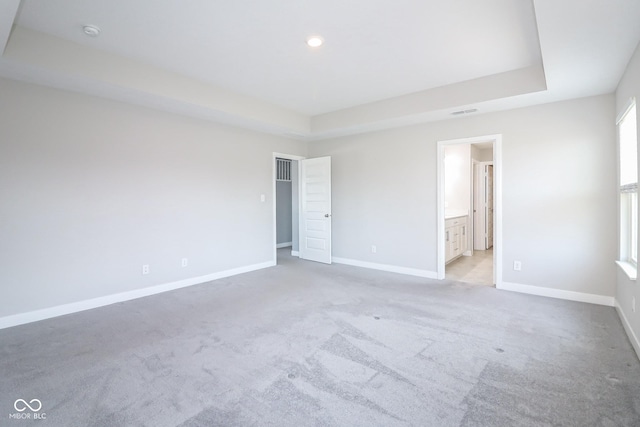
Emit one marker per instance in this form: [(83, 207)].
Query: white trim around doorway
[(497, 217)]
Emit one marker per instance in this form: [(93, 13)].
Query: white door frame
[(497, 199), (273, 196)]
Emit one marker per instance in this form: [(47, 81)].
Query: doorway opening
[(286, 205), (302, 207), (469, 210)]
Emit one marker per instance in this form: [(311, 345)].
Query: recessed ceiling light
[(91, 30), (315, 41)]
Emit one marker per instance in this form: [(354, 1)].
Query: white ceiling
[(383, 63)]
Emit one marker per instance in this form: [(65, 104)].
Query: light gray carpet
[(306, 344)]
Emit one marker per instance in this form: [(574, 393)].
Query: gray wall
[(626, 289), (559, 199), (93, 189), (283, 212)]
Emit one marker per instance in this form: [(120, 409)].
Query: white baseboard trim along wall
[(284, 245), (627, 327), (558, 293), (61, 310), (385, 267), (506, 286)]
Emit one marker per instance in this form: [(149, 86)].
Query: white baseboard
[(284, 245), (385, 267), (558, 293), (295, 253), (628, 329), (61, 310)]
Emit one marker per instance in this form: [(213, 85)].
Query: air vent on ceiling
[(457, 113)]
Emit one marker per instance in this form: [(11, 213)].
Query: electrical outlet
[(374, 249), (517, 265), (185, 262), (633, 304), (145, 269)]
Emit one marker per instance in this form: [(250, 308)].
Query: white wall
[(558, 193), (475, 152), (626, 289), (92, 189), (484, 155), (457, 179)]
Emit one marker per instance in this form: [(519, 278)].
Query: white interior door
[(479, 230), (489, 205), (315, 200)]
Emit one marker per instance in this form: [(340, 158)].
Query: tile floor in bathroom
[(472, 269)]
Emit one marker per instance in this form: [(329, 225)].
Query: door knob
[(327, 215)]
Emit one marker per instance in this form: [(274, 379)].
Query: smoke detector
[(91, 30)]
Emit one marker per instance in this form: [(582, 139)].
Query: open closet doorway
[(286, 205), (302, 208), (469, 201)]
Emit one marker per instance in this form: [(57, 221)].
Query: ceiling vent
[(458, 113)]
